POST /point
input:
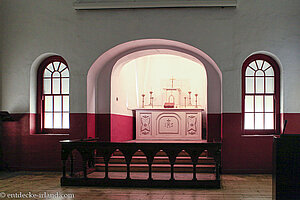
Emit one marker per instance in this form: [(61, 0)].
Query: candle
[(196, 95), (143, 100)]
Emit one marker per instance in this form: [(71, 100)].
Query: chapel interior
[(164, 99)]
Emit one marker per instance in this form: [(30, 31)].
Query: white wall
[(152, 73), (30, 28)]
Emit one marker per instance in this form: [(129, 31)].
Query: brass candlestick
[(151, 99), (143, 100), (190, 98), (196, 95)]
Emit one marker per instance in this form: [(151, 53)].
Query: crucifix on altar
[(172, 96)]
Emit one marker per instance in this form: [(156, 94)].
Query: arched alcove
[(33, 88), (100, 115)]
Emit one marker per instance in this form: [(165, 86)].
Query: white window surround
[(114, 4)]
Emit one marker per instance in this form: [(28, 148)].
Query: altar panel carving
[(145, 124), (168, 124), (193, 122)]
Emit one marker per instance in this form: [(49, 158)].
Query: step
[(157, 160), (155, 168), (160, 153)]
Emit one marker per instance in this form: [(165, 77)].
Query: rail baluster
[(72, 165)]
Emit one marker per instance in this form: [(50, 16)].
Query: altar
[(173, 111), (169, 124)]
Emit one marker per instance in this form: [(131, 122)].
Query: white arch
[(100, 88), (33, 79), (33, 88)]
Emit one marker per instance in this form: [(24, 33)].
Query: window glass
[(249, 120), (249, 71), (66, 103), (47, 86), (65, 86), (259, 104), (47, 73), (57, 120), (259, 88), (269, 72), (65, 73), (269, 121), (253, 65), (57, 103), (49, 103), (249, 105), (48, 120), (66, 120), (55, 95), (56, 65), (269, 104), (50, 67), (249, 84), (269, 85), (56, 85), (259, 121), (259, 63), (259, 84)]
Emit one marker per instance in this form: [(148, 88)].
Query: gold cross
[(172, 79)]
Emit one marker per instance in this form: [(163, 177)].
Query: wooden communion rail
[(89, 149)]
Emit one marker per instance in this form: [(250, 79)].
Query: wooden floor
[(234, 187)]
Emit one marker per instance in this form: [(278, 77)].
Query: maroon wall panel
[(25, 151), (121, 128), (214, 127), (102, 127), (293, 125), (244, 154), (240, 154), (91, 125)]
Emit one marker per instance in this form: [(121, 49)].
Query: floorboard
[(254, 186)]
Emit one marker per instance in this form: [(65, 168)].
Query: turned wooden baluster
[(64, 168), (218, 160), (84, 167), (150, 162), (84, 155), (172, 158), (72, 165), (128, 158), (150, 153), (64, 157), (194, 156), (106, 158)]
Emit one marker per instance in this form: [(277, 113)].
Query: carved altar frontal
[(168, 124)]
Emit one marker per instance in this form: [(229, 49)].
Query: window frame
[(276, 101), (40, 104)]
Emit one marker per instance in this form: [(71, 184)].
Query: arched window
[(261, 95), (53, 95)]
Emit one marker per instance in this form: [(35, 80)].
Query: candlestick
[(150, 98), (190, 98), (196, 95), (151, 101), (185, 102), (143, 100)]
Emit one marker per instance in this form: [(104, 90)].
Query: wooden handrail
[(88, 148)]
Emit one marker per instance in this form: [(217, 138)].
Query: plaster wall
[(228, 35), (30, 28)]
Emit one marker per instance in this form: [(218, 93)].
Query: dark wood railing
[(90, 147)]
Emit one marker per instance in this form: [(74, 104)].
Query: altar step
[(160, 163)]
